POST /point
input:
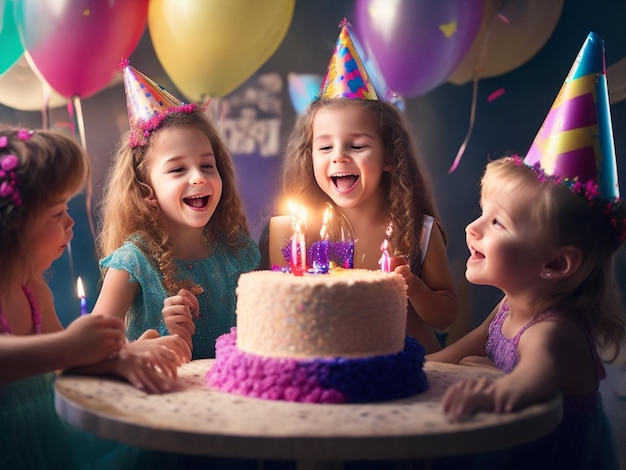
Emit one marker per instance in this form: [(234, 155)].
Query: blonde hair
[(407, 189), (50, 165), (567, 219), (125, 212)]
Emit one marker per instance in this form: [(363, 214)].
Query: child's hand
[(93, 338), (178, 313), (467, 397), (148, 365), (173, 342), (400, 265)]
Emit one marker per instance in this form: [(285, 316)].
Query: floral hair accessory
[(9, 183), (24, 134), (611, 207), (148, 104)]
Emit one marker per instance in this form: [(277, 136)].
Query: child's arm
[(472, 344), (553, 357), (86, 340), (433, 296), (116, 295)]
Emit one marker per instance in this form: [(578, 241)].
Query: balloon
[(416, 43), (210, 47), (77, 45), (21, 88), (303, 88), (508, 37), (10, 43)]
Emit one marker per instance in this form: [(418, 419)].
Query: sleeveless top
[(35, 312), (218, 275), (584, 438)]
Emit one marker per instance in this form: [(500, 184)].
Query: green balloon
[(10, 42)]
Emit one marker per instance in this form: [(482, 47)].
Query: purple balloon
[(78, 45), (416, 44)]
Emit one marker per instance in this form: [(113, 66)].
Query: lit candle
[(302, 234), (80, 290), (324, 251)]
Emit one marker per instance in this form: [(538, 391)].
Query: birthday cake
[(332, 338)]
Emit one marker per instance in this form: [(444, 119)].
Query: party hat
[(148, 103), (575, 142), (346, 76)]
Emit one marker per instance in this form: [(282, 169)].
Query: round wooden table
[(200, 420)]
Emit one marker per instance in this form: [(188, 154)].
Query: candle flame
[(80, 290)]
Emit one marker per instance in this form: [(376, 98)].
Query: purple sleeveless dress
[(584, 439)]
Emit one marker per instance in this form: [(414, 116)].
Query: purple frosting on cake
[(320, 380)]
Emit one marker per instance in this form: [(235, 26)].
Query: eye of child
[(497, 223)]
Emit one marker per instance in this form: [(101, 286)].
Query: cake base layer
[(320, 380)]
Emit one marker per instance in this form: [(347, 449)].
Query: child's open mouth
[(197, 202), (344, 182)]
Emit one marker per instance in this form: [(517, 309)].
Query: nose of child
[(197, 179)]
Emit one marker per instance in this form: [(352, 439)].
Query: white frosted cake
[(330, 338)]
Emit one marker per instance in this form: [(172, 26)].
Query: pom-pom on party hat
[(148, 103), (575, 142), (346, 76)]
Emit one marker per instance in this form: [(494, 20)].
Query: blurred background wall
[(526, 47)]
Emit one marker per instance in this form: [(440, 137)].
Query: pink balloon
[(77, 45), (416, 43)]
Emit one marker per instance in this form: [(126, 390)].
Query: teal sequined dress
[(217, 274)]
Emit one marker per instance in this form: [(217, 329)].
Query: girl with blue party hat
[(550, 230)]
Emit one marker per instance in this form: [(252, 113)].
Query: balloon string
[(461, 151), (75, 110), (45, 105)]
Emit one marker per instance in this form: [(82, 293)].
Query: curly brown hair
[(125, 212), (407, 189)]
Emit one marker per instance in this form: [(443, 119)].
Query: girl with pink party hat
[(548, 236), (173, 233)]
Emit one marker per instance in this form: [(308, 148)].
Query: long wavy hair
[(50, 165), (568, 219), (125, 212), (407, 189)]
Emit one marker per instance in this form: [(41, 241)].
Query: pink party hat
[(575, 142), (346, 76), (148, 103)]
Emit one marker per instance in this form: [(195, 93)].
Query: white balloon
[(21, 88)]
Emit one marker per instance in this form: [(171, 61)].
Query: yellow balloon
[(510, 34), (210, 47), (21, 88)]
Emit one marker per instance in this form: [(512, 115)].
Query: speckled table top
[(200, 420)]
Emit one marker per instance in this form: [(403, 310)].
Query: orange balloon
[(507, 37), (210, 47)]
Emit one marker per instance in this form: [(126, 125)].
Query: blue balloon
[(303, 88)]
